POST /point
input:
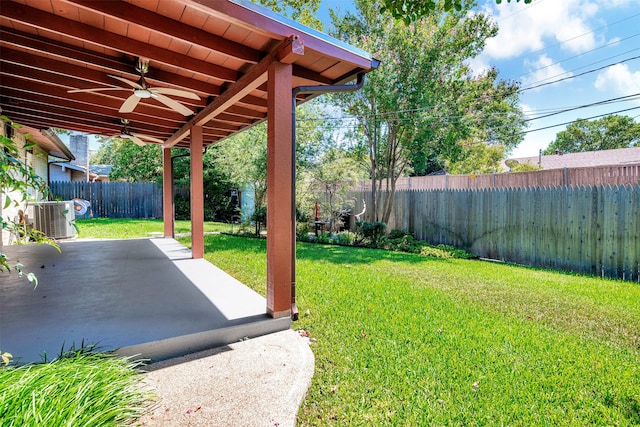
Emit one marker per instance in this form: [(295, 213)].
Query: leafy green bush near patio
[(81, 389), (403, 339)]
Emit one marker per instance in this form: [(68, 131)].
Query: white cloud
[(617, 3), (618, 80), (543, 70), (541, 24), (614, 41), (526, 109)]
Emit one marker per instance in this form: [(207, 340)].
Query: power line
[(584, 34), (593, 104), (412, 113), (578, 75), (584, 53), (574, 121)]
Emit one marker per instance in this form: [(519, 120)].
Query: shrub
[(259, 217), (324, 237), (456, 252), (397, 233), (345, 238), (302, 231), (371, 233)]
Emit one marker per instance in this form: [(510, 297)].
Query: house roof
[(217, 49), (620, 156), (48, 141), (100, 169), (70, 166)]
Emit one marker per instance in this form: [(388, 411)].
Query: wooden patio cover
[(241, 60)]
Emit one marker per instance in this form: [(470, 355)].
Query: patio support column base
[(197, 194), (280, 165), (279, 314), (167, 194)]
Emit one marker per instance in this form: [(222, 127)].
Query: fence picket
[(587, 229), (113, 199)]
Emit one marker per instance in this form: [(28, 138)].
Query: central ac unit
[(54, 219)]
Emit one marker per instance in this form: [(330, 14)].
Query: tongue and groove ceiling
[(217, 49)]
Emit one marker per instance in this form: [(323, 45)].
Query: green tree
[(605, 133), (243, 157), (412, 10), (219, 205), (423, 104), (133, 163), (333, 176), (303, 11)]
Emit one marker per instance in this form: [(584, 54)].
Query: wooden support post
[(280, 242), (167, 194), (197, 194)]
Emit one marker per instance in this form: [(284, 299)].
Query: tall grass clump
[(79, 389)]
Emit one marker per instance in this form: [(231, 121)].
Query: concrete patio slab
[(256, 382), (141, 296)]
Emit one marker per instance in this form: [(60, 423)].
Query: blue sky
[(574, 41)]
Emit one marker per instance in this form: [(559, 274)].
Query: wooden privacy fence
[(612, 175), (113, 199), (591, 230)]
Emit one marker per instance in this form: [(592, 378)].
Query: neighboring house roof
[(70, 166), (617, 157), (100, 169), (49, 142)]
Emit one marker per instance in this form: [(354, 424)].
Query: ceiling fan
[(137, 138), (142, 90)]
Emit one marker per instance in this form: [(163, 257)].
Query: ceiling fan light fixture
[(142, 93)]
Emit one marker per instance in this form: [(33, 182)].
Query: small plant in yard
[(324, 237), (80, 389), (345, 238)]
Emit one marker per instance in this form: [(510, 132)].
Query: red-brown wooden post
[(280, 243), (167, 193), (197, 194)]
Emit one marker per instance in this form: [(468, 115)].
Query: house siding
[(36, 160)]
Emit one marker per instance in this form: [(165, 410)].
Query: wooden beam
[(89, 60), (197, 193), (248, 82), (262, 24), (167, 193), (280, 164), (88, 34), (133, 15), (88, 101)]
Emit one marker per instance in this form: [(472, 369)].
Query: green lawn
[(112, 228), (403, 339), (408, 340)]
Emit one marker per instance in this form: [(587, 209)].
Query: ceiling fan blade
[(96, 89), (175, 92), (129, 104), (137, 140), (148, 138), (175, 105), (127, 81)]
